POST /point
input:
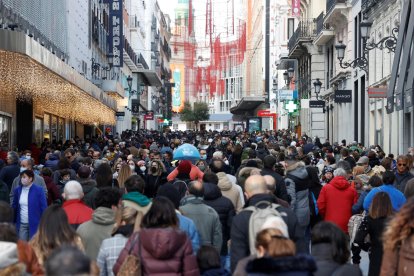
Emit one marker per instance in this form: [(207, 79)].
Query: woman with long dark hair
[(54, 231), (162, 247), (373, 225)]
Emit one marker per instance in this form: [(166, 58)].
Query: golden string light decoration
[(25, 79)]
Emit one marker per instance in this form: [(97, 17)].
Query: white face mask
[(226, 162), (22, 169), (142, 168), (132, 167)]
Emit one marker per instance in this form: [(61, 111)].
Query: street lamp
[(291, 71), (318, 85), (129, 82), (286, 77), (365, 28)]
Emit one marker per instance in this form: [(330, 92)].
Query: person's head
[(202, 165), (170, 192), (127, 216), (340, 172), (402, 164), (160, 215), (270, 183), (46, 172), (210, 177), (329, 233), (72, 190), (217, 165), (134, 183), (375, 181), (363, 161), (26, 164), (330, 160), (409, 188), (107, 197), (123, 175), (269, 162), (84, 172), (218, 155), (54, 230), (196, 188), (12, 157), (96, 155), (68, 260), (344, 165), (272, 242), (255, 184), (6, 212), (344, 152), (63, 163), (381, 206), (65, 175), (400, 227), (8, 233), (27, 177), (103, 175), (208, 258), (203, 154), (157, 167), (388, 177)]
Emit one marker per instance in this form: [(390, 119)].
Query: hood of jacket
[(137, 197), (8, 254), (340, 182), (87, 185), (162, 243), (224, 182), (211, 191), (191, 199), (297, 169), (297, 263), (103, 216)]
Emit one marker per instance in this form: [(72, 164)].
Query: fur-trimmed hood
[(294, 165)]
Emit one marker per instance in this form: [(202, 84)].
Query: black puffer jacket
[(282, 266), (224, 208)]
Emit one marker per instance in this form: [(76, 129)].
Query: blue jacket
[(397, 198), (358, 207), (188, 226), (37, 204)]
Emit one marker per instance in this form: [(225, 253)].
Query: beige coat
[(230, 191)]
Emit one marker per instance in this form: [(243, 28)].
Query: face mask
[(202, 168), (28, 157), (153, 169), (142, 168), (203, 157), (226, 162), (223, 142), (115, 175), (132, 167), (22, 169)]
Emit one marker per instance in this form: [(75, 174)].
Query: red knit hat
[(184, 167)]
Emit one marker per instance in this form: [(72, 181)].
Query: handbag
[(132, 264)]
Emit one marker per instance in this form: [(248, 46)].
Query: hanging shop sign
[(343, 96), (120, 114), (296, 8), (317, 104), (149, 115), (377, 92), (116, 32), (288, 95)]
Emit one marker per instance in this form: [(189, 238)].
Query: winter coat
[(400, 261), (401, 180), (205, 219), (36, 205), (93, 232), (239, 233), (89, 191), (297, 185), (397, 197), (282, 266), (152, 183), (358, 207), (281, 191), (335, 202), (262, 153), (9, 173), (38, 180), (137, 201), (229, 190), (4, 192), (77, 212), (109, 253), (52, 162), (53, 195), (374, 228), (163, 251), (224, 208), (323, 255), (188, 226)]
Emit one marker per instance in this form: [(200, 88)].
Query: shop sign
[(265, 113), (317, 104), (343, 96), (377, 92), (149, 115), (288, 95), (116, 32), (296, 8), (120, 114)]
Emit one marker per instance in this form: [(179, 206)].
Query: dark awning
[(247, 105), (151, 76)]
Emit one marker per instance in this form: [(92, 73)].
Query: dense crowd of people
[(261, 203)]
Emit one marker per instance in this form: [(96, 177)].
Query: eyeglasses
[(402, 165)]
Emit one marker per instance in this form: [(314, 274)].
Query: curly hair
[(400, 227)]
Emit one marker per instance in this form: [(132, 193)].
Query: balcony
[(324, 32), (133, 60), (305, 33), (336, 10), (367, 5)]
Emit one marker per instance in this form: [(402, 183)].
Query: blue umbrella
[(186, 152)]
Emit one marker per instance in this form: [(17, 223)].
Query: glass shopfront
[(5, 131), (51, 127)]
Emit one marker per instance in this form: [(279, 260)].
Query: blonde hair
[(358, 170), (129, 216), (123, 175), (275, 243)]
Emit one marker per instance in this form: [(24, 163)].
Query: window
[(38, 130), (216, 126), (291, 27), (175, 126), (46, 125), (5, 127)]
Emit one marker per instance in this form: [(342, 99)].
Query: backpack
[(258, 218), (353, 225)]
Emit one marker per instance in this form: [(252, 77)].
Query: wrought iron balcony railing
[(306, 30)]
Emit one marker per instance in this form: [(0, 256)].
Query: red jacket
[(335, 202), (195, 174), (77, 211)]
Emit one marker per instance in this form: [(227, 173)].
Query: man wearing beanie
[(186, 169), (186, 224)]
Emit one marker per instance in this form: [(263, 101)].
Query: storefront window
[(38, 131), (54, 128), (5, 128), (46, 130), (61, 132)]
